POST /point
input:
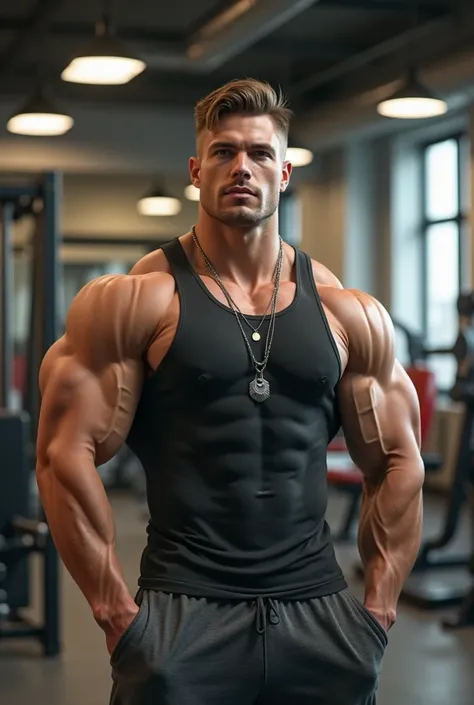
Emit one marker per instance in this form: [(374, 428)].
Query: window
[(445, 174)]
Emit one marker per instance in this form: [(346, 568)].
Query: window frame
[(460, 219)]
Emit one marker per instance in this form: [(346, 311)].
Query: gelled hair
[(247, 96)]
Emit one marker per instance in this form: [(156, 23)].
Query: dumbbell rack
[(24, 538)]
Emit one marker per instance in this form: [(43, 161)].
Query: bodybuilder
[(228, 360)]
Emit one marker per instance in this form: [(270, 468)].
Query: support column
[(467, 259), (6, 304), (44, 309)]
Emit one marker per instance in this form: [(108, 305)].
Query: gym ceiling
[(315, 49), (334, 59)]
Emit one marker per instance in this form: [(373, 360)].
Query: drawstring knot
[(267, 611), (273, 614)]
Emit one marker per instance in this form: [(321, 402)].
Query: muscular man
[(228, 360)]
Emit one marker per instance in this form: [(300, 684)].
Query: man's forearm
[(82, 527), (390, 536)]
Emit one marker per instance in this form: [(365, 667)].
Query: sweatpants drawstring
[(266, 611)]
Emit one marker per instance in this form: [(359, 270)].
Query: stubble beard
[(243, 217)]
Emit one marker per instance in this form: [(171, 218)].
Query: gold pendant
[(256, 336)]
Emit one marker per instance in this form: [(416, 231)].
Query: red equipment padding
[(19, 373), (424, 382)]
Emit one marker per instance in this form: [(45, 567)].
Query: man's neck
[(245, 256)]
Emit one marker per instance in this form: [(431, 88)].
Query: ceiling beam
[(217, 42), (431, 7), (35, 26)]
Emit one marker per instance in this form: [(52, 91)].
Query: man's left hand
[(386, 618)]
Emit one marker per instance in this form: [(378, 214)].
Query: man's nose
[(241, 166)]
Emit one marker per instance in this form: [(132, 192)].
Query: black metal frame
[(6, 297), (43, 333)]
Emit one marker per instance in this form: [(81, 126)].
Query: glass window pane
[(441, 165), (444, 367), (442, 243)]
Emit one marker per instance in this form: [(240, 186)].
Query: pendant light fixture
[(192, 193), (106, 60), (298, 156), (413, 101), (40, 117), (157, 202)]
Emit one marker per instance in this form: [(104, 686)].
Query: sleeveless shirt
[(237, 489)]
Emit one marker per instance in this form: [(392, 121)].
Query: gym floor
[(423, 665)]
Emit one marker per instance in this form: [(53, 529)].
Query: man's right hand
[(117, 625)]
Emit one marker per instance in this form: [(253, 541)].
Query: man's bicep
[(380, 419), (84, 414)]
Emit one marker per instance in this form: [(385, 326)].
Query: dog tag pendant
[(259, 389)]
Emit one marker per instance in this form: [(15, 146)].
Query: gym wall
[(105, 205), (345, 211)]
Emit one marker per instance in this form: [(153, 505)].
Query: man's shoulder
[(120, 291), (357, 309), (365, 327), (119, 312)]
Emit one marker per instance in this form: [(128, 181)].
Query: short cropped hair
[(247, 96)]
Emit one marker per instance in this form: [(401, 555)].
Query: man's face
[(240, 170)]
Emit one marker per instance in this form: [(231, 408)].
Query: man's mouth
[(240, 190)]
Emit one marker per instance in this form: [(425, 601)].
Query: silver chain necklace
[(259, 387), (211, 269)]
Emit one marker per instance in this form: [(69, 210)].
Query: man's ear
[(285, 175), (195, 171)]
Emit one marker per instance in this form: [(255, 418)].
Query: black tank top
[(237, 489)]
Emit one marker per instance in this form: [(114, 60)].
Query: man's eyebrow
[(221, 144), (264, 146)]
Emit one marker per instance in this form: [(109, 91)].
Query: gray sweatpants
[(183, 650)]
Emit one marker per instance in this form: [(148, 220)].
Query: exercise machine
[(23, 529), (464, 390), (429, 587)]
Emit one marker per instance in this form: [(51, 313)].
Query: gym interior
[(94, 174)]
